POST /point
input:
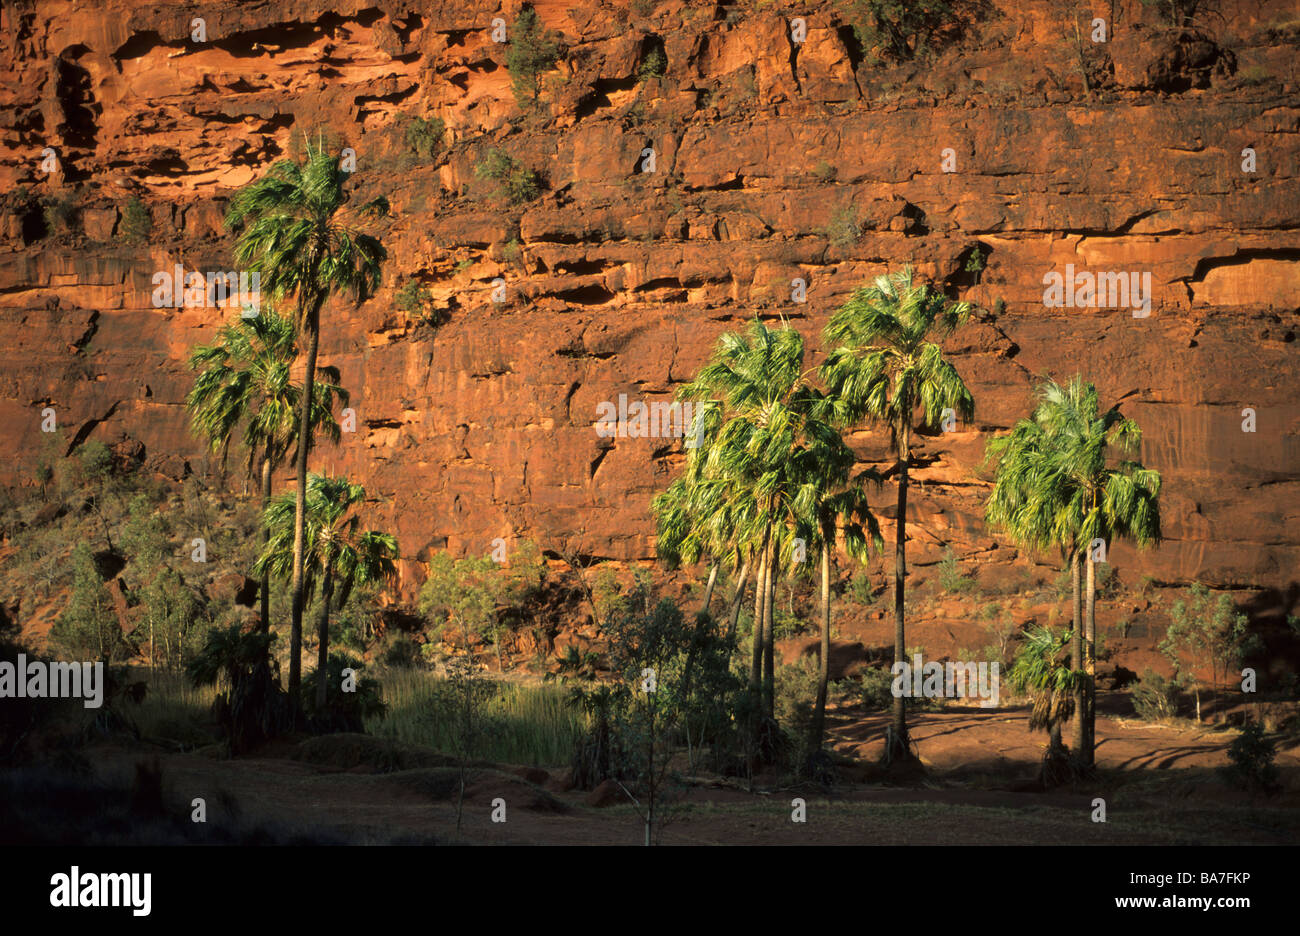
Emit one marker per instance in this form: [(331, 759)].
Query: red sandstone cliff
[(621, 281)]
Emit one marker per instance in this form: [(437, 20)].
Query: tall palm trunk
[(1076, 649), (323, 635), (819, 714), (266, 538), (1090, 658), (708, 589), (769, 643), (760, 596), (737, 600), (311, 325), (899, 743)]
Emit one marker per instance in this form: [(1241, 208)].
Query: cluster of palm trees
[(772, 480), (292, 227)]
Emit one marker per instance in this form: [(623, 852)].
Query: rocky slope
[(768, 154)]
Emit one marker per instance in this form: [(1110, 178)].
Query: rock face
[(773, 161)]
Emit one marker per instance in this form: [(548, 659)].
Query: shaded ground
[(1159, 784)]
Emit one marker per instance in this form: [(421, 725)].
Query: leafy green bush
[(136, 223), (1252, 753), (654, 65), (343, 710), (61, 214), (1156, 698), (1203, 632), (861, 590), (515, 182), (401, 653), (424, 135), (898, 30), (877, 690)]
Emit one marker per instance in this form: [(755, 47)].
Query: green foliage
[(898, 30), (951, 578), (401, 653), (1204, 632), (249, 706), (844, 230), (654, 65), (877, 690), (1156, 698), (1252, 753), (343, 711), (861, 590), (673, 686), (61, 214), (89, 629), (825, 171), (474, 594), (515, 182), (1181, 12), (424, 136), (171, 619), (532, 51), (1040, 669), (136, 223), (796, 696), (975, 262), (413, 298)]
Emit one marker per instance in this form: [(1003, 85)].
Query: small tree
[(465, 593), (1204, 632), (466, 695), (89, 629), (532, 52), (136, 223)]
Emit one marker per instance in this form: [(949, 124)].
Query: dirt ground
[(1159, 784)]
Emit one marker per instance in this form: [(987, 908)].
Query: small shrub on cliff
[(61, 214), (898, 30), (411, 298), (654, 65), (424, 136), (1181, 12), (136, 223), (515, 181), (844, 230), (533, 51)]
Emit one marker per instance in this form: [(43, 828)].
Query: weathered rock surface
[(620, 282)]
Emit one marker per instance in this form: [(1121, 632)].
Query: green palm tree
[(1053, 487), (884, 366), (1029, 501), (243, 378), (758, 411), (1040, 668), (1105, 501), (338, 554), (827, 502), (292, 229)]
